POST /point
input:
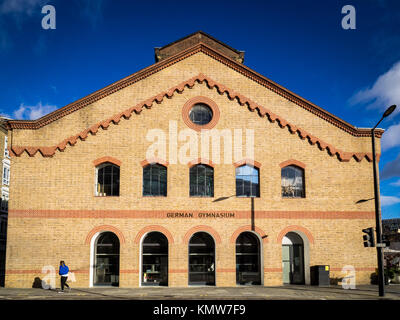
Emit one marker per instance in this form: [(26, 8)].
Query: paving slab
[(289, 292)]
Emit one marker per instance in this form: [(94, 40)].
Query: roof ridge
[(49, 151)]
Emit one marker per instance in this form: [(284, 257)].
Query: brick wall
[(53, 208)]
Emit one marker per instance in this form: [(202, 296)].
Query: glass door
[(107, 260), (248, 268), (201, 259), (155, 260)]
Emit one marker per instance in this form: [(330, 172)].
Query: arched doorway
[(106, 260), (293, 259), (155, 259), (248, 260), (201, 259)]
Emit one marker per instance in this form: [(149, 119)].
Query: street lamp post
[(379, 248)]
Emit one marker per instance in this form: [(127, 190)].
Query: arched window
[(107, 181), (201, 181), (155, 180), (293, 182), (202, 259), (247, 181), (106, 264), (155, 260), (248, 262)]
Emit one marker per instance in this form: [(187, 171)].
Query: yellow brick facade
[(53, 207)]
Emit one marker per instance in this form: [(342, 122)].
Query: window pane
[(247, 181), (293, 182), (201, 181)]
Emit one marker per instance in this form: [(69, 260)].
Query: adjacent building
[(5, 156), (196, 170)]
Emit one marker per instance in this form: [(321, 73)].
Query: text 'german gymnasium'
[(196, 170)]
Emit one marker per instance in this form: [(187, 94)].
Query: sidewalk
[(289, 292)]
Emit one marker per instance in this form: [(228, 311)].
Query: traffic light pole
[(379, 249)]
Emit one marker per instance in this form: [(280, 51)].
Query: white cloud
[(396, 183), (33, 112), (389, 200), (391, 169), (391, 137), (20, 6), (383, 93)]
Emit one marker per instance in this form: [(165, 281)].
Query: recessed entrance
[(248, 262), (106, 266), (155, 260), (293, 259), (201, 259)]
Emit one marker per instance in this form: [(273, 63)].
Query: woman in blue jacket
[(63, 272)]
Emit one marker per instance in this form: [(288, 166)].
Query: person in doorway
[(63, 272)]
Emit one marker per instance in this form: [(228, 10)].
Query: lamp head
[(389, 111)]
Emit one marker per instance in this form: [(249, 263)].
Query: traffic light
[(386, 241), (369, 237)]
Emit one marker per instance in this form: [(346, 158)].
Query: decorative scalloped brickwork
[(221, 89)]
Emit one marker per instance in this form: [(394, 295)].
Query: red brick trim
[(291, 162), (200, 161), (200, 99), (146, 162), (104, 228), (250, 162), (232, 95), (163, 214), (152, 228), (204, 48), (257, 230), (201, 228), (295, 228), (107, 159)]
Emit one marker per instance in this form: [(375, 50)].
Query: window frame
[(258, 190), (207, 167), (152, 165), (96, 185), (303, 184)]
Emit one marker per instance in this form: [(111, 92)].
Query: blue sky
[(354, 74)]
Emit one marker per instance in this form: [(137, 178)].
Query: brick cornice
[(200, 47), (49, 151), (292, 162), (146, 162), (201, 161), (107, 159), (251, 162)]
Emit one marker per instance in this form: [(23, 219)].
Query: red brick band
[(154, 160), (164, 214)]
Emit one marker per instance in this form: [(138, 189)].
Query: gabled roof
[(164, 63), (50, 151)]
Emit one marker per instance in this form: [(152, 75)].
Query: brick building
[(121, 185), (5, 165)]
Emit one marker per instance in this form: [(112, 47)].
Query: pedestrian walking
[(63, 272)]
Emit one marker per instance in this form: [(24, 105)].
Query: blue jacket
[(63, 270)]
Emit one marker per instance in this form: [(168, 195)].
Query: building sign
[(200, 215)]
